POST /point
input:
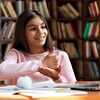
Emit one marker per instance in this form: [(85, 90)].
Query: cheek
[(46, 33), (30, 35), (29, 38)]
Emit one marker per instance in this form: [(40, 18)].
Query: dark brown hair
[(19, 40)]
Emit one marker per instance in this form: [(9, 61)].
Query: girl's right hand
[(51, 60)]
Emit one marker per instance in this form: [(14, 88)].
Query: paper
[(8, 90), (42, 89), (49, 84), (58, 93)]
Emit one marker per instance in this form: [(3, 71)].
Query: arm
[(10, 69), (67, 73)]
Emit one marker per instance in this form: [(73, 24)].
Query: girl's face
[(36, 32)]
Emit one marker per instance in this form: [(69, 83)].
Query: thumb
[(52, 52)]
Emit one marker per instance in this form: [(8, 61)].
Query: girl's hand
[(54, 74), (51, 60)]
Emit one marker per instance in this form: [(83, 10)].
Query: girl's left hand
[(54, 74)]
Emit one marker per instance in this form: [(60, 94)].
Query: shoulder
[(12, 55), (14, 52), (17, 54), (61, 52)]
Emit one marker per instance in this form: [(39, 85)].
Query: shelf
[(75, 29)]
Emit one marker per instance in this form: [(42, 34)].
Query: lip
[(40, 38)]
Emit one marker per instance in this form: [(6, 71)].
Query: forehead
[(35, 21)]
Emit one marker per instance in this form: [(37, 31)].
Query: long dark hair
[(19, 40)]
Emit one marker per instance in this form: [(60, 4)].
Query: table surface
[(92, 95)]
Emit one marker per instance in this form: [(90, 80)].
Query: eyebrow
[(34, 25)]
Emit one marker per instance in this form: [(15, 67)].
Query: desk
[(92, 95)]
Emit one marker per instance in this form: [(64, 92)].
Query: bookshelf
[(74, 26), (91, 41)]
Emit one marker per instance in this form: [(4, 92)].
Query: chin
[(40, 44)]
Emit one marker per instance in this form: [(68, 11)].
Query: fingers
[(58, 69), (49, 72), (52, 52)]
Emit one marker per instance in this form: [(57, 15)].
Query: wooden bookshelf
[(73, 24)]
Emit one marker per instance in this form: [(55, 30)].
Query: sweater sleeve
[(10, 69), (67, 73)]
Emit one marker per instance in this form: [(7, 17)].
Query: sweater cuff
[(37, 65), (61, 79)]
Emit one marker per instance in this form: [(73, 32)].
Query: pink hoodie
[(19, 64)]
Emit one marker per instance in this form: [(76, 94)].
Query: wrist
[(56, 78), (44, 63)]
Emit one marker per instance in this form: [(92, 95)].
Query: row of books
[(68, 30), (93, 9), (65, 31), (92, 29), (92, 49), (7, 30), (40, 6), (70, 48), (8, 9), (68, 11), (93, 70)]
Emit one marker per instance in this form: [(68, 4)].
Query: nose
[(39, 31)]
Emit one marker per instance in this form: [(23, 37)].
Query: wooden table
[(92, 95)]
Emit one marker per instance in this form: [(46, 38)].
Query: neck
[(36, 50)]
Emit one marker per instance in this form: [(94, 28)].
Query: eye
[(43, 26), (32, 29)]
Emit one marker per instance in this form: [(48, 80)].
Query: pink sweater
[(19, 64)]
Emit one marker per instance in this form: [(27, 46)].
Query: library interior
[(70, 23)]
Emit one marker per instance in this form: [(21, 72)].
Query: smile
[(40, 38)]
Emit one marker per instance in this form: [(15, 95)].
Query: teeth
[(40, 38)]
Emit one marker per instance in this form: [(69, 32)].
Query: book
[(95, 70), (20, 6), (61, 13), (10, 8), (3, 29), (96, 8), (28, 4), (90, 10), (71, 50), (72, 10), (45, 9), (65, 9), (86, 30), (87, 49), (95, 49), (91, 29), (97, 32), (72, 30), (59, 36), (63, 32), (3, 9), (69, 34), (35, 6), (40, 8), (5, 26), (9, 30)]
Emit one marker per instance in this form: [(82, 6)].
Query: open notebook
[(88, 86)]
